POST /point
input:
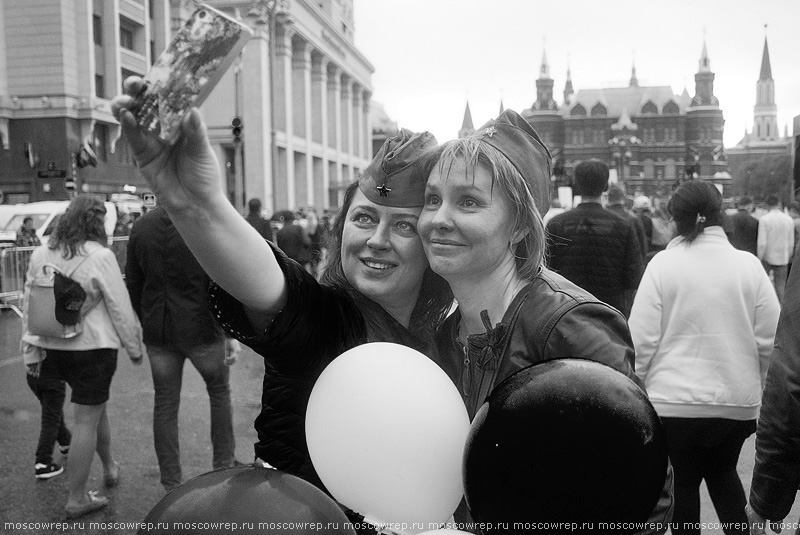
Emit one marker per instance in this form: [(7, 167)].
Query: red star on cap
[(383, 190)]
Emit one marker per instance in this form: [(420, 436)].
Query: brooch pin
[(383, 190), (490, 131)]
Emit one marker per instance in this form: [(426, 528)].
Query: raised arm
[(187, 181)]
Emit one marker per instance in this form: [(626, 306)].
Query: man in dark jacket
[(745, 227), (776, 474), (168, 290), (616, 205), (293, 240), (597, 250), (257, 221)]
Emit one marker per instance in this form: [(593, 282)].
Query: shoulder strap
[(73, 270)]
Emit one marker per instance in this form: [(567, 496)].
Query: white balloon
[(386, 429)]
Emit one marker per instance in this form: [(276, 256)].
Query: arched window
[(578, 110), (599, 109), (670, 108), (649, 107)]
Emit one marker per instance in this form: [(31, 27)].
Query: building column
[(284, 183), (301, 96), (257, 121), (335, 130), (347, 126), (358, 120), (366, 127), (319, 82)]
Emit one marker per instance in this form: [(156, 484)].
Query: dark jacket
[(776, 475), (551, 318), (597, 250), (318, 323), (745, 232), (168, 288), (261, 225), (621, 211), (294, 241)]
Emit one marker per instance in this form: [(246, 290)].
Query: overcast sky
[(431, 56)]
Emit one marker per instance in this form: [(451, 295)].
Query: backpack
[(55, 302)]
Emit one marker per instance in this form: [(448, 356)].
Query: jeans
[(50, 390), (166, 364), (779, 276)]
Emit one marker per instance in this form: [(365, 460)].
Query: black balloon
[(246, 499), (564, 441)]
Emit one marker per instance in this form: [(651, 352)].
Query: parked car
[(46, 215)]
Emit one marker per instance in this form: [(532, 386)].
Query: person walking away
[(616, 205), (87, 362), (594, 248), (293, 240), (745, 227), (776, 243), (257, 221), (641, 207), (703, 324), (169, 292)]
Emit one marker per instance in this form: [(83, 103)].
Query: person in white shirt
[(703, 325), (776, 243)]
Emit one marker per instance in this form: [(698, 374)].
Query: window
[(153, 56), (649, 107), (97, 28), (598, 110), (99, 86), (578, 110), (126, 37), (671, 108)]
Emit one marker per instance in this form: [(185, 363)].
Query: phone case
[(188, 69)]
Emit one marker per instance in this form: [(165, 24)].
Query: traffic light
[(236, 129)]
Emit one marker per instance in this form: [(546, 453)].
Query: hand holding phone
[(188, 69)]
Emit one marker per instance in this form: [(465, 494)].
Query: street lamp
[(621, 150)]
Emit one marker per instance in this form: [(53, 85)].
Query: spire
[(766, 69), (568, 90), (466, 126), (705, 63), (634, 81), (544, 69), (502, 109)]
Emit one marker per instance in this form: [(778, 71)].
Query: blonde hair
[(529, 251)]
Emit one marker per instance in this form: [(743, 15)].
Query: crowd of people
[(442, 248)]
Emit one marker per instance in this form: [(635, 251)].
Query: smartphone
[(187, 70)]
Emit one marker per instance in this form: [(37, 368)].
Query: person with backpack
[(93, 305)]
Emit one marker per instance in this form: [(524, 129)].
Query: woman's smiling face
[(382, 254), (466, 223)]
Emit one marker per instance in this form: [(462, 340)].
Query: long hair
[(435, 296), (83, 221), (529, 251), (694, 206)]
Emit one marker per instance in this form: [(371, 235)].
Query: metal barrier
[(14, 265)]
